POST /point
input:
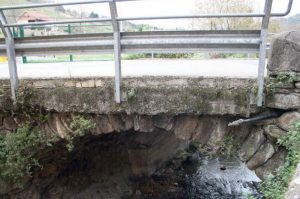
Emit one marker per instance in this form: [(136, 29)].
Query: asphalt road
[(135, 68)]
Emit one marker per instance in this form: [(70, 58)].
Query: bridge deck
[(135, 68)]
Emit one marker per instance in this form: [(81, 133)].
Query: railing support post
[(11, 55), (117, 50), (263, 52)]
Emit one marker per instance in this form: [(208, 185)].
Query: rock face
[(264, 153), (285, 54), (274, 132), (252, 144), (287, 120), (271, 165)]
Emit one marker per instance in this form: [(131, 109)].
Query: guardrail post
[(263, 52), (22, 35), (117, 50), (11, 55), (70, 32)]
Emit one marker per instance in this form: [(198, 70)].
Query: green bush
[(284, 77), (17, 152), (275, 186), (131, 94), (79, 126)]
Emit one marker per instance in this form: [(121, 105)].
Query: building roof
[(34, 16)]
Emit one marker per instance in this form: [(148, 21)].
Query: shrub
[(284, 77), (79, 126), (17, 152)]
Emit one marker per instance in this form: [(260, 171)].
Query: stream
[(134, 165), (202, 178)]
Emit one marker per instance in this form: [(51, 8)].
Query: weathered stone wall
[(284, 91), (284, 72), (142, 96)]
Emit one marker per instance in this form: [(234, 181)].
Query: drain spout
[(263, 116)]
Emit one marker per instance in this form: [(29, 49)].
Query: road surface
[(135, 68)]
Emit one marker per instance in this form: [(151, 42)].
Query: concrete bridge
[(162, 112), (190, 108)]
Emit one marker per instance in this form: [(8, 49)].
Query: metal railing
[(119, 42)]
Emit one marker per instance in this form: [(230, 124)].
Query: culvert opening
[(104, 166), (134, 164)]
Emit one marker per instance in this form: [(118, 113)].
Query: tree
[(222, 7), (94, 15), (60, 9)]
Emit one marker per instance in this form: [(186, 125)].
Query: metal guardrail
[(124, 42), (139, 42)]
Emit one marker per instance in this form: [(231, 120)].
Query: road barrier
[(137, 42)]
